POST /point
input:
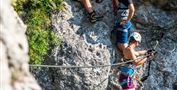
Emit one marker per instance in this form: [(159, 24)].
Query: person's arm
[(140, 61), (142, 52), (137, 61), (131, 9)]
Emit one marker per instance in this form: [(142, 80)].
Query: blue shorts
[(122, 32), (126, 26), (121, 37)]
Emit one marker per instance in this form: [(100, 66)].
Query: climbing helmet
[(136, 36)]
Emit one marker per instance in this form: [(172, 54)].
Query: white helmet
[(136, 36)]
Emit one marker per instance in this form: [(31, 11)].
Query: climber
[(93, 16), (123, 11), (128, 70)]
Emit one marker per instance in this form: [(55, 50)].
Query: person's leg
[(87, 5), (93, 16), (122, 40), (121, 46)]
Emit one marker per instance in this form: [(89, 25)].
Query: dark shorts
[(122, 32)]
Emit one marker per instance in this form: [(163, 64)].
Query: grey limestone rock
[(86, 44)]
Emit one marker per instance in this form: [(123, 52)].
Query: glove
[(150, 51)]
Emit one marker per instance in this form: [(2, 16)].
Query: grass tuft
[(36, 15)]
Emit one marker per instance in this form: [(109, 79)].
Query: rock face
[(86, 44), (157, 24), (165, 4), (14, 71)]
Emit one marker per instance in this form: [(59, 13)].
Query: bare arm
[(130, 15), (140, 61), (131, 11), (142, 52), (137, 61)]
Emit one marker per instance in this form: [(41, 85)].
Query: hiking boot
[(93, 17)]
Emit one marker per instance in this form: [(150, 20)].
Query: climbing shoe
[(93, 17)]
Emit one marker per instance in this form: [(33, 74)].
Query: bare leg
[(121, 47), (93, 17), (87, 5)]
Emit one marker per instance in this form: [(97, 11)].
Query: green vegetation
[(36, 15)]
